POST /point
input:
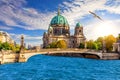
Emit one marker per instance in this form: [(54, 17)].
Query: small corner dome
[(45, 32), (78, 25), (50, 27)]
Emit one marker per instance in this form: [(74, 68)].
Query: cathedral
[(59, 30)]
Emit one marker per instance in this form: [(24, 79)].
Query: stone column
[(114, 47), (2, 57), (21, 54), (85, 44), (22, 44), (103, 46), (119, 48)]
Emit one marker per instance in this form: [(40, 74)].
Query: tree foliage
[(7, 46), (58, 44), (81, 45), (109, 40), (98, 43), (61, 44), (52, 45), (90, 44)]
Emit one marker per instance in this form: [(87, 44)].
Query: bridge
[(10, 57), (86, 53)]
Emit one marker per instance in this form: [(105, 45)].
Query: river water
[(42, 67)]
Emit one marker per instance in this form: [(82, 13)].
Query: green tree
[(99, 45), (99, 42), (61, 44), (17, 48), (81, 45), (12, 47), (53, 45), (6, 46), (48, 46), (58, 44), (0, 46), (95, 46), (109, 40), (100, 39), (90, 44)]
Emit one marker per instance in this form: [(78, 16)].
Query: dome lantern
[(78, 25)]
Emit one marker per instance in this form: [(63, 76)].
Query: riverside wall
[(8, 57)]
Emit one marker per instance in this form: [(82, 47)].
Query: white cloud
[(88, 5), (74, 14), (5, 28), (33, 40), (14, 13), (27, 37)]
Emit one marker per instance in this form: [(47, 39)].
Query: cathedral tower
[(78, 30), (79, 37)]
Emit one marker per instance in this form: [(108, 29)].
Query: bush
[(58, 44), (81, 45), (61, 44), (7, 46)]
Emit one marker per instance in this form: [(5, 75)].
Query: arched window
[(79, 30), (73, 41), (50, 32), (54, 21)]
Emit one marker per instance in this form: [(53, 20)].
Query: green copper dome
[(59, 20), (78, 25)]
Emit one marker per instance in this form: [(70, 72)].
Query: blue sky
[(32, 17)]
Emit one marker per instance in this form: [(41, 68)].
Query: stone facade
[(59, 30), (5, 37), (116, 46)]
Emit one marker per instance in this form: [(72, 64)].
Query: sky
[(31, 18)]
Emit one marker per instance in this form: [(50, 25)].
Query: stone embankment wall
[(110, 56), (104, 56), (8, 57)]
